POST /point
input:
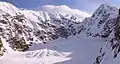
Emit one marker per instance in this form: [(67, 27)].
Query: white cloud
[(65, 9)]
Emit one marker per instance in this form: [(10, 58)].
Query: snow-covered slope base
[(71, 51)]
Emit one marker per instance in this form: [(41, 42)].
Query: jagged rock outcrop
[(2, 49)]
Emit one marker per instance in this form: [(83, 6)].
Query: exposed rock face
[(117, 27), (62, 32), (2, 49), (116, 45), (19, 44)]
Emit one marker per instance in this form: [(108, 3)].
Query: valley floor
[(62, 51)]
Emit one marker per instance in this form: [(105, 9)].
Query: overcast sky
[(83, 5)]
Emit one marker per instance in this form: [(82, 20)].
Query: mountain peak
[(104, 9), (63, 9), (105, 4)]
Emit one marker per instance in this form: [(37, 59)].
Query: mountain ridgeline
[(21, 28)]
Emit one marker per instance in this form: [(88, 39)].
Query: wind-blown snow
[(63, 9), (8, 8)]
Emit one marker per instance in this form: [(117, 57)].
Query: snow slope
[(71, 51)]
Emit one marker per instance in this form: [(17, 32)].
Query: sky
[(88, 6)]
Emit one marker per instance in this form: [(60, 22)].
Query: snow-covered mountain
[(28, 26), (67, 39), (63, 9), (104, 23)]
